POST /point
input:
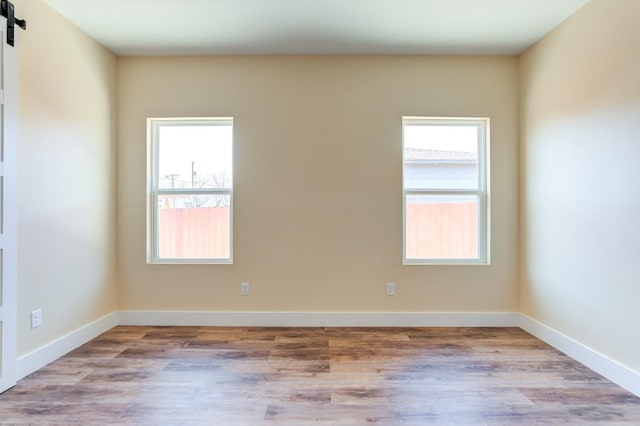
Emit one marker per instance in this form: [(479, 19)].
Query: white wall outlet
[(36, 318), (391, 289), (244, 289)]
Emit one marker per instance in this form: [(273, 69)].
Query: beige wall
[(318, 201), (580, 103), (66, 177)]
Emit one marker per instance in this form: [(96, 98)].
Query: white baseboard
[(42, 356), (619, 374), (321, 319)]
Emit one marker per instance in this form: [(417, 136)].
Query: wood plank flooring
[(300, 376)]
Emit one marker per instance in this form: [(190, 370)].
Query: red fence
[(433, 230), (195, 233), (441, 231)]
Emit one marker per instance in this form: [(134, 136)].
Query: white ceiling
[(249, 27)]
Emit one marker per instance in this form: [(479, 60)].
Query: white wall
[(66, 229), (580, 125)]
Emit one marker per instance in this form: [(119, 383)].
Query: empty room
[(341, 212)]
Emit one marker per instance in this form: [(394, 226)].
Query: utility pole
[(193, 174), (173, 179)]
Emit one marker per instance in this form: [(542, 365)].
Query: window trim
[(482, 193), (154, 192)]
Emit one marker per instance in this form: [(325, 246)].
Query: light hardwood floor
[(299, 376)]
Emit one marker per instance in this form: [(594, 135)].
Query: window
[(445, 181), (190, 181)]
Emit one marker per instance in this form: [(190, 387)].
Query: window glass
[(444, 185), (191, 190)]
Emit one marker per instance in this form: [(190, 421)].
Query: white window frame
[(482, 193), (154, 191)]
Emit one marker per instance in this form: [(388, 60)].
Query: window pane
[(195, 156), (194, 226), (441, 227), (440, 157)]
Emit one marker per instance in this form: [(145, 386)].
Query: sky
[(210, 147), (441, 137)]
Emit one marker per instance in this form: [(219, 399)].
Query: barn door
[(8, 211)]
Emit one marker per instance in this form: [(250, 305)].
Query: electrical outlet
[(244, 289), (391, 289), (36, 318)]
